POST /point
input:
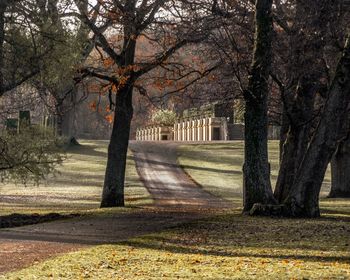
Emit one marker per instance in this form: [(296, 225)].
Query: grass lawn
[(225, 246), (218, 169), (77, 188)]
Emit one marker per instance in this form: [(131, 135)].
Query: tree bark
[(340, 169), (65, 109), (3, 6), (303, 200), (113, 189), (283, 132), (256, 169), (297, 140), (306, 49)]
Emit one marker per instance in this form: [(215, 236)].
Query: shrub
[(29, 156), (164, 117)]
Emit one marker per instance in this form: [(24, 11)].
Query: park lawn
[(225, 246), (217, 167), (76, 188), (228, 246)]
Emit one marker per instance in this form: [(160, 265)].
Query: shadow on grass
[(87, 150), (17, 220), (213, 157), (221, 253), (212, 147), (36, 198), (81, 184), (173, 165)]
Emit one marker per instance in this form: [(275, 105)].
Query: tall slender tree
[(256, 169)]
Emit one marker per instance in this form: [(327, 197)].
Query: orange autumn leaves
[(107, 114)]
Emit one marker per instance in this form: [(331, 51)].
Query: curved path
[(177, 200), (168, 184)]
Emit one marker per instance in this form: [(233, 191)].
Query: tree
[(19, 57), (305, 93), (33, 153), (309, 38), (303, 199), (256, 169), (160, 22), (70, 47), (305, 88)]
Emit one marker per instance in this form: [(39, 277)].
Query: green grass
[(228, 246), (77, 187), (218, 169), (225, 247)]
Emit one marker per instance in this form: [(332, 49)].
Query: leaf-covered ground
[(225, 247)]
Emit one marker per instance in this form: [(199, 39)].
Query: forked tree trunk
[(113, 189), (340, 169), (306, 48), (303, 200), (297, 140), (256, 169)]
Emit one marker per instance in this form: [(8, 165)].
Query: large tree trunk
[(65, 110), (297, 140), (256, 169), (340, 169), (306, 48), (113, 189), (303, 200)]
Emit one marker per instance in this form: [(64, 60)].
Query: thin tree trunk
[(256, 169), (340, 169), (113, 189), (303, 200), (3, 6), (283, 132)]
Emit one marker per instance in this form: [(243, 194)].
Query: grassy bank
[(218, 169), (76, 188)]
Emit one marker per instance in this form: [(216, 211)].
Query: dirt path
[(169, 185), (177, 200)]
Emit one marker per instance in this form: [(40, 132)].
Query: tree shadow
[(171, 248), (175, 165), (87, 150)]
